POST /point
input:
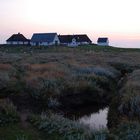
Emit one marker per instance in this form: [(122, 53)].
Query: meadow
[(39, 84)]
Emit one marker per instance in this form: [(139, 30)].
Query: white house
[(74, 40), (45, 39), (18, 39), (103, 41)]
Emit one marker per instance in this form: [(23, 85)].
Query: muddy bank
[(125, 106)]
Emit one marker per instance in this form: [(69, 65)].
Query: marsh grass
[(22, 137), (42, 75), (8, 113), (127, 131), (17, 132), (65, 129), (130, 98)]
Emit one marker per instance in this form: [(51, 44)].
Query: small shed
[(103, 41)]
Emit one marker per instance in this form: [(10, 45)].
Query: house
[(18, 39), (74, 40), (45, 39), (103, 41)]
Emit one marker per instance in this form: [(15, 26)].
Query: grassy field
[(42, 49), (53, 79)]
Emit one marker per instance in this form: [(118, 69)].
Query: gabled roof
[(102, 40), (79, 38), (43, 37), (17, 37), (65, 38)]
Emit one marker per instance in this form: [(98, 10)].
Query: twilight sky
[(117, 19)]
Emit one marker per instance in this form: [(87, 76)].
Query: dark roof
[(17, 37), (79, 38), (101, 40), (43, 37)]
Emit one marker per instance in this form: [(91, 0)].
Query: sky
[(117, 19)]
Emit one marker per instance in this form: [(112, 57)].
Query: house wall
[(9, 43), (84, 43), (73, 43), (33, 43), (26, 43), (56, 39), (17, 43), (43, 44), (39, 44), (103, 44), (77, 44)]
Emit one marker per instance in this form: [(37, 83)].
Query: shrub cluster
[(65, 129), (8, 113), (127, 131), (130, 97), (46, 84), (21, 137)]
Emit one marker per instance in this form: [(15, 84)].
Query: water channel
[(96, 120), (93, 116)]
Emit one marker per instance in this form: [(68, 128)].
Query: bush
[(65, 129), (42, 88), (22, 137), (128, 131), (130, 107), (8, 113), (53, 103), (123, 67), (4, 82), (100, 71), (130, 98)]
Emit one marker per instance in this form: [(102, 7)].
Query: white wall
[(84, 43), (26, 43), (43, 44), (77, 44), (8, 43), (103, 44), (73, 43), (17, 43), (56, 39), (33, 44), (39, 43)]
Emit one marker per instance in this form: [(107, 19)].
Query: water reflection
[(96, 120)]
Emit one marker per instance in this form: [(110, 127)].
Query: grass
[(8, 113), (16, 132), (64, 129), (57, 76), (57, 127), (126, 105), (85, 48), (127, 131), (130, 98)]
